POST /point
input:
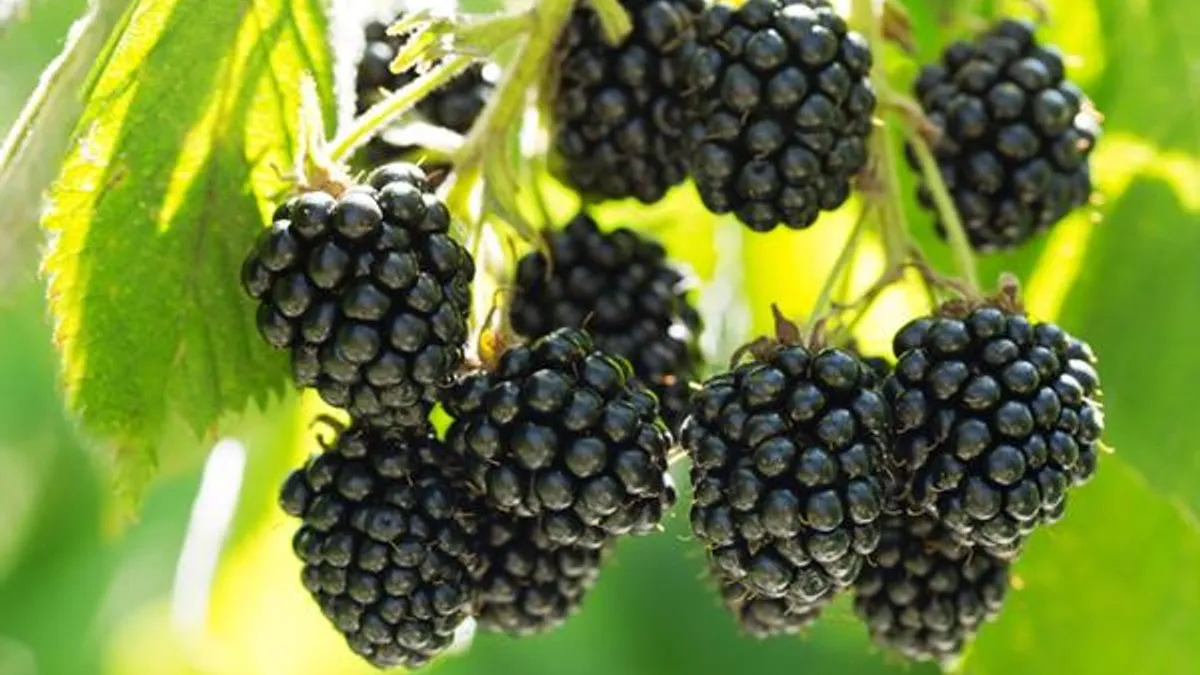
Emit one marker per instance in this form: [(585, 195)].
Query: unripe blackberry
[(527, 585), (925, 595), (761, 617), (787, 458), (995, 419), (618, 111), (621, 288), (387, 543), (561, 431), (369, 293), (783, 109), (1015, 135)]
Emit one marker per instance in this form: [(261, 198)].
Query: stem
[(964, 257), (840, 268), (397, 103), (614, 20), (508, 100)]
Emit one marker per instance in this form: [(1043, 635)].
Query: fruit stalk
[(964, 259), (613, 19)]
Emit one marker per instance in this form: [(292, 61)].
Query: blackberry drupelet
[(621, 288), (1015, 135), (925, 595), (788, 467), (618, 111), (526, 584), (783, 108), (387, 542), (561, 432), (369, 293), (761, 617), (994, 420)]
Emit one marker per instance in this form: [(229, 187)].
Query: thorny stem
[(508, 100), (964, 258), (397, 103)]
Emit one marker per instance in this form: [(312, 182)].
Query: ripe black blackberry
[(925, 595), (783, 109), (561, 432), (788, 471), (761, 617), (622, 289), (1015, 135), (369, 293), (995, 419), (387, 542), (527, 585), (618, 111)]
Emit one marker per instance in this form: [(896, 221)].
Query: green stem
[(964, 257), (530, 64), (614, 20), (397, 103), (840, 268)]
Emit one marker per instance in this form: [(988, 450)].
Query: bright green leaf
[(1111, 589), (174, 166)]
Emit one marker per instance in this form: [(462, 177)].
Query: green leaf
[(175, 162), (1111, 589)]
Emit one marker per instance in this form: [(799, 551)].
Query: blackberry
[(1015, 135), (455, 106), (761, 617), (369, 293), (387, 543), (561, 431), (783, 109), (622, 289), (618, 111), (994, 421), (787, 458), (527, 585), (925, 595)]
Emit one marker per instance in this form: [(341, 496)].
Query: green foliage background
[(161, 359)]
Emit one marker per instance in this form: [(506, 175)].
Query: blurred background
[(204, 582)]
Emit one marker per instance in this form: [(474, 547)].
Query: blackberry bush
[(622, 289), (387, 541), (925, 595), (783, 108), (560, 431), (618, 111), (528, 585), (996, 418), (787, 458), (1015, 135), (369, 293)]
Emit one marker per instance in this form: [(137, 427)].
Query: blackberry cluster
[(527, 585), (762, 617), (622, 289), (788, 458), (369, 293), (618, 110), (561, 432), (387, 543), (783, 108), (1015, 135), (995, 420), (924, 594)]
